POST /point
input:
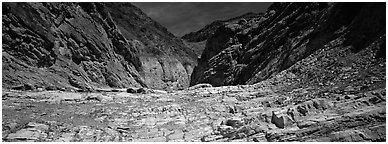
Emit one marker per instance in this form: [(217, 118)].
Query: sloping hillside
[(247, 53), (89, 46)]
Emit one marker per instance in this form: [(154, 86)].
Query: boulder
[(41, 127), (224, 129), (24, 134), (34, 131), (94, 97), (234, 122), (281, 120), (131, 90), (302, 110), (141, 90)]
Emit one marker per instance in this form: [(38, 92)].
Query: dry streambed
[(230, 113)]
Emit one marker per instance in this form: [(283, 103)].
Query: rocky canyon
[(107, 72)]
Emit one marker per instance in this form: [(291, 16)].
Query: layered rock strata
[(90, 46)]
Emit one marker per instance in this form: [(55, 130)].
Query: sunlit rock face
[(88, 46), (254, 49)]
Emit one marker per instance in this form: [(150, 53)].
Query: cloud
[(183, 17)]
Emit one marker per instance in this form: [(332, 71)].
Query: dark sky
[(183, 17)]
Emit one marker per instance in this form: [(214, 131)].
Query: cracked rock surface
[(230, 113)]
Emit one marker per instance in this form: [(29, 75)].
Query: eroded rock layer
[(89, 46), (197, 40), (252, 50)]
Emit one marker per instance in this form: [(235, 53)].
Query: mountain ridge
[(205, 32)]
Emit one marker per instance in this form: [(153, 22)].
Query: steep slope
[(197, 40), (89, 46), (166, 61), (288, 32), (204, 33)]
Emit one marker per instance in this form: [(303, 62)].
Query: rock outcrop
[(206, 32), (247, 53), (89, 46), (197, 40)]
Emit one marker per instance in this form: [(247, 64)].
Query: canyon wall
[(254, 49), (88, 46)]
